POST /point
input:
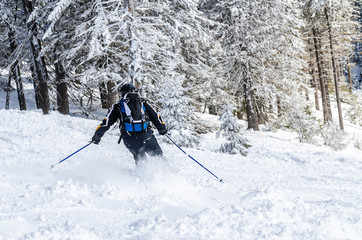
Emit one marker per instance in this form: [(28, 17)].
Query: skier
[(134, 114)]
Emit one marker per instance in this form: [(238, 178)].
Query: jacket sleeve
[(108, 121), (154, 117)]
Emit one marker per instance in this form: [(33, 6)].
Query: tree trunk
[(314, 82), (349, 76), (111, 93), (62, 88), (316, 87), (250, 102), (212, 109), (103, 95), (15, 70), (325, 80), (341, 79), (205, 105), (279, 107), (334, 71), (38, 61), (35, 84), (7, 90), (132, 34), (337, 69), (320, 75), (250, 108), (306, 94), (108, 95)]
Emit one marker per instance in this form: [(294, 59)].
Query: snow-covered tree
[(177, 112), (24, 29), (10, 32), (94, 50), (230, 129), (134, 41), (354, 113), (170, 36), (34, 31), (265, 53), (332, 27), (200, 53), (299, 118), (163, 52), (333, 137), (153, 53)]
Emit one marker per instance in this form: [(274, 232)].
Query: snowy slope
[(281, 190)]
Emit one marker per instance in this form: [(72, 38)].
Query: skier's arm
[(156, 119), (107, 122)]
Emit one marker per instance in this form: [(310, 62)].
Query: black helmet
[(126, 88)]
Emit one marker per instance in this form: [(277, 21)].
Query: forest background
[(274, 63)]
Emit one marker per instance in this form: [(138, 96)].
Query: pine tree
[(94, 52), (37, 60), (299, 118), (331, 25), (200, 53), (177, 112), (152, 46), (54, 39), (10, 31), (230, 129), (265, 55), (355, 112)]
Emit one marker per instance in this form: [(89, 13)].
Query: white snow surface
[(282, 189)]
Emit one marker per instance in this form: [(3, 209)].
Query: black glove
[(162, 131), (96, 139)]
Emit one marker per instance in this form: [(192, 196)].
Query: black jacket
[(114, 113)]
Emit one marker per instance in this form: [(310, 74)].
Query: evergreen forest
[(276, 63)]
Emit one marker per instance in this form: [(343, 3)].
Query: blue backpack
[(133, 107)]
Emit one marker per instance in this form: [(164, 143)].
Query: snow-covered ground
[(282, 190)]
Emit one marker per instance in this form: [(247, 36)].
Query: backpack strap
[(128, 112)]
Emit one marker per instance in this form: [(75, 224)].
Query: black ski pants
[(141, 143)]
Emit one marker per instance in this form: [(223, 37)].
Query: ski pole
[(194, 159), (72, 154)]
